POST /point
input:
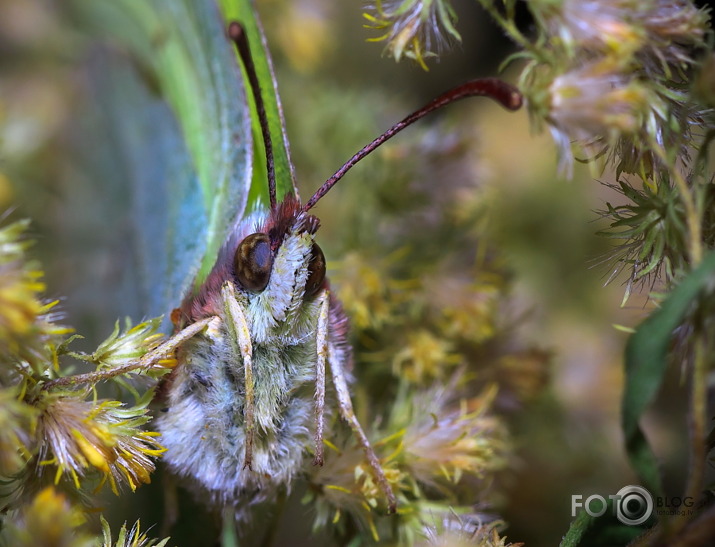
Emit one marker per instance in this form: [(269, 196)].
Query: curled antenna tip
[(516, 99), (235, 30), (505, 94)]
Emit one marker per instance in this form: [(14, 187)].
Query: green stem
[(697, 422), (506, 23), (698, 396), (692, 218), (698, 419)]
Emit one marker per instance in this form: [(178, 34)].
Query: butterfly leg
[(346, 411), (242, 337), (322, 352)]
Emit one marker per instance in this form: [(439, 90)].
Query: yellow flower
[(305, 35), (471, 312), (16, 424), (441, 443), (596, 25), (597, 105), (424, 357), (28, 334), (345, 485), (121, 348), (48, 521), (19, 287), (414, 28), (367, 292), (83, 436)]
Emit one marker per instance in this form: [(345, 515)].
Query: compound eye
[(316, 271), (253, 262)]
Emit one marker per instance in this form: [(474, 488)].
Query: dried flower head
[(442, 444), (345, 485), (80, 437), (414, 28), (451, 529), (615, 80), (594, 105), (673, 30), (665, 29), (651, 228), (594, 26)]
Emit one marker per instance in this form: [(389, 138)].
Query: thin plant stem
[(507, 24)]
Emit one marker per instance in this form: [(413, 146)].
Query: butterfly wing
[(184, 127), (242, 11)]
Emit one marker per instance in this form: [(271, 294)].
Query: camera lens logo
[(634, 505)]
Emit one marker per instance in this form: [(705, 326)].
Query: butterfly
[(261, 342)]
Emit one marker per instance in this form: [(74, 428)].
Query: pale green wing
[(174, 94), (243, 11)]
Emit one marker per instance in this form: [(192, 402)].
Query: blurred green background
[(338, 92)]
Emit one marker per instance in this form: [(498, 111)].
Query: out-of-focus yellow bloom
[(28, 333), (19, 287), (304, 34), (16, 425), (473, 316), (424, 357), (50, 520), (524, 374), (368, 294)]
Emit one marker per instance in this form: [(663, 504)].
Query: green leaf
[(578, 529), (646, 362), (586, 530)]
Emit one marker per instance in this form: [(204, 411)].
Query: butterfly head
[(273, 262), (281, 261)]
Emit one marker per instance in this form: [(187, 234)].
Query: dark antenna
[(238, 35), (505, 94)]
